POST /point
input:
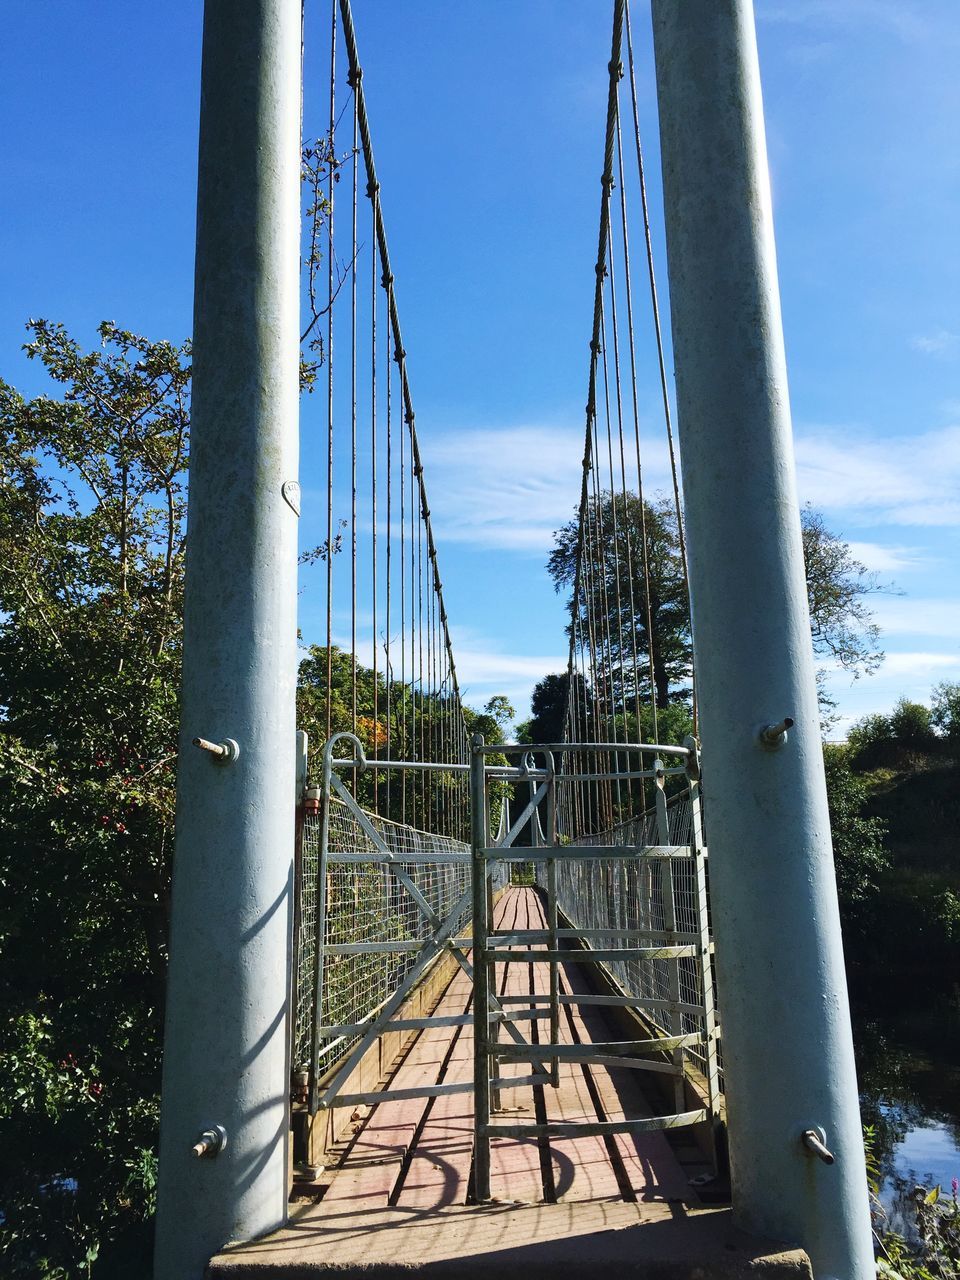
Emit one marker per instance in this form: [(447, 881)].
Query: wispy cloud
[(907, 615), (916, 666), (882, 559), (904, 480), (944, 344), (910, 674), (484, 668), (897, 17), (509, 488)]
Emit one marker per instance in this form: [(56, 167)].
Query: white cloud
[(906, 615), (915, 666), (894, 16), (510, 488), (881, 559), (905, 480), (943, 344), (484, 668)]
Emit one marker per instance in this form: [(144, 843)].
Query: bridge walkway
[(416, 1153), (397, 1203)]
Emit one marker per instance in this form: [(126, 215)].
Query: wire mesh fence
[(659, 896), (365, 903)]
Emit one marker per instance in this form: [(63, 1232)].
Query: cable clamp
[(372, 189), (354, 76)]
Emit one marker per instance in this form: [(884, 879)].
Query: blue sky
[(487, 120)]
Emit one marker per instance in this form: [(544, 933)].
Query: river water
[(907, 1040)]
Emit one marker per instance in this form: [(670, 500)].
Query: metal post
[(226, 1045), (788, 1052), (705, 961), (481, 993), (670, 925), (553, 922), (320, 927)]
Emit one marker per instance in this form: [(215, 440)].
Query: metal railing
[(379, 903), (365, 907), (668, 898), (633, 901)]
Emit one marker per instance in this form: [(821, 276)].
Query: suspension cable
[(658, 332)]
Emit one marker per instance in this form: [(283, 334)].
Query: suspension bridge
[(467, 1006)]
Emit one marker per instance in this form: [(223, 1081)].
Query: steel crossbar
[(661, 938), (655, 935), (588, 852)]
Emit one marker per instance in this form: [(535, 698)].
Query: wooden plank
[(371, 1168), (581, 1166), (515, 1172), (439, 1164), (439, 1169), (652, 1168)]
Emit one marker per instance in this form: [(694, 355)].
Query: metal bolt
[(775, 735), (224, 752), (211, 1142), (815, 1142)]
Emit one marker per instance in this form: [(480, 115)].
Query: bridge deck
[(416, 1154), (398, 1200)]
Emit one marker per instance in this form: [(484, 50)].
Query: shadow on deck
[(397, 1201)]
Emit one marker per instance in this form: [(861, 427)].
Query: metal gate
[(676, 951), (631, 901), (352, 837)]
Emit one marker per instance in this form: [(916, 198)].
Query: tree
[(837, 584), (945, 713), (614, 596), (409, 725), (859, 851), (548, 707), (92, 509), (92, 526), (613, 618), (896, 741)]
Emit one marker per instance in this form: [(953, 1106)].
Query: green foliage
[(493, 722), (409, 725), (911, 724), (548, 707), (840, 622), (614, 590), (92, 510), (945, 713), (858, 842), (904, 763), (92, 515), (900, 740)]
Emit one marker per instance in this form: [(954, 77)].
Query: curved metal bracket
[(359, 756)]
